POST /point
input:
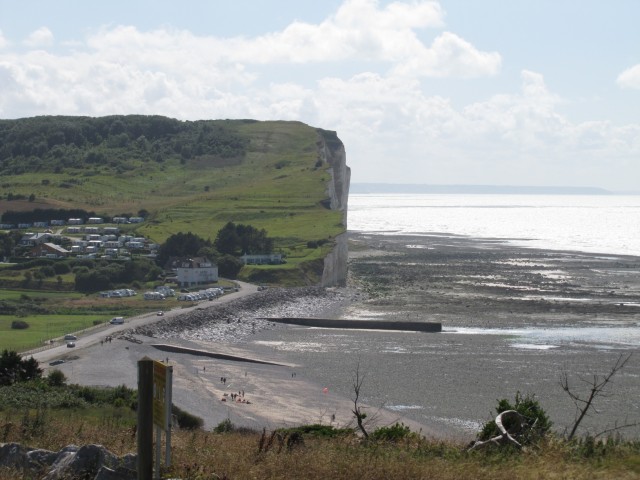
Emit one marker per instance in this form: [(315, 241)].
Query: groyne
[(204, 353), (431, 327)]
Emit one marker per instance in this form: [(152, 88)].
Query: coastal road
[(94, 337)]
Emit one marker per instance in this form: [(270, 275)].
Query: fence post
[(145, 419)]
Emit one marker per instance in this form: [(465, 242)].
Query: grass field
[(43, 328)]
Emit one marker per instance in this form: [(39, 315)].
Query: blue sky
[(536, 92)]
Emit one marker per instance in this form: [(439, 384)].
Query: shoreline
[(456, 377)]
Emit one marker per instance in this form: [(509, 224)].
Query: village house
[(33, 239), (49, 250), (195, 271)]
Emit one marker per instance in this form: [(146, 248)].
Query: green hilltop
[(189, 176)]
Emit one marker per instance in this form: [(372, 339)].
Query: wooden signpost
[(155, 380)]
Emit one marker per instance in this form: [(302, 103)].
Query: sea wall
[(332, 153), (360, 324)]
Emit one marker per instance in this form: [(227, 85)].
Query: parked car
[(68, 336), (117, 321), (56, 362), (71, 344)]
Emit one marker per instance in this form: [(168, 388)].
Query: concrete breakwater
[(432, 327), (204, 353)]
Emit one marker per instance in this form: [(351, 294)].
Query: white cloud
[(3, 41), (384, 113), (450, 56), (630, 78), (40, 38)]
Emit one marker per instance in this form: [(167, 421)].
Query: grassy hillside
[(190, 176)]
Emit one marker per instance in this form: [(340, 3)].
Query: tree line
[(59, 143)]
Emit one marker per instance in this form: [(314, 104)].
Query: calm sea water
[(588, 223)]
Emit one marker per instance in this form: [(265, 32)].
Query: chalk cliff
[(331, 151)]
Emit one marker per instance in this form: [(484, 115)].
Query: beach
[(513, 320)]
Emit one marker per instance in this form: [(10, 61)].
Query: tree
[(235, 239), (229, 266), (227, 241), (596, 388), (181, 245), (14, 369), (358, 411)]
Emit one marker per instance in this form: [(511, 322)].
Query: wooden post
[(145, 419)]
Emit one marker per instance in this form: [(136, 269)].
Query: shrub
[(224, 426), (48, 271), (394, 433), (187, 420), (527, 405), (56, 378), (61, 268), (19, 325), (319, 430)]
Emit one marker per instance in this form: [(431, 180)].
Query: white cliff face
[(331, 152)]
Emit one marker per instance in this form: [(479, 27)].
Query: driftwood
[(517, 425)]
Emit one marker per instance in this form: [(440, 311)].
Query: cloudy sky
[(518, 92)]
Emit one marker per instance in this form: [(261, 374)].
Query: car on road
[(68, 336), (160, 313), (56, 362), (117, 321), (71, 344)]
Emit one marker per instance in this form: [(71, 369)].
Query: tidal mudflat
[(514, 319)]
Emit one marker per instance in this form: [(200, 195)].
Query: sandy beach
[(443, 385)]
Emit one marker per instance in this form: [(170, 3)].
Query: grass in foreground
[(246, 454)]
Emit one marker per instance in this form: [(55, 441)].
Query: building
[(266, 259), (49, 250), (196, 271), (33, 239)]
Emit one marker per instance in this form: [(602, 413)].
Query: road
[(94, 337)]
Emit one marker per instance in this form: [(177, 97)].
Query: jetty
[(431, 327)]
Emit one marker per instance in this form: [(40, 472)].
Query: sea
[(588, 223), (450, 382)]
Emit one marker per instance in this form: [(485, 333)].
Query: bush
[(394, 433), (61, 268), (187, 420), (48, 271), (319, 430), (56, 378), (537, 419), (19, 325), (224, 426)]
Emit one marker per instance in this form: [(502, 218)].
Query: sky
[(482, 92)]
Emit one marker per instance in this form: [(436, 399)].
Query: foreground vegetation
[(45, 412), (319, 453)]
